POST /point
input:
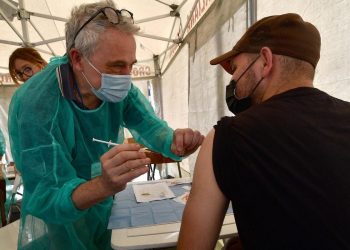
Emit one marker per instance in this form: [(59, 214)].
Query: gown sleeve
[(145, 126), (42, 153)]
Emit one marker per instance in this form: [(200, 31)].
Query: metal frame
[(23, 15)]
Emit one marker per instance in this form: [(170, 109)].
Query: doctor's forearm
[(90, 193)]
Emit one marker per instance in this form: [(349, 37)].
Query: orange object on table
[(156, 158)]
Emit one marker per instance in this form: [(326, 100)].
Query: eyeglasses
[(27, 71), (113, 15)]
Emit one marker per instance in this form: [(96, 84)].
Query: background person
[(283, 160), (24, 63), (69, 179)]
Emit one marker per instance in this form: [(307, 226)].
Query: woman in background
[(24, 63)]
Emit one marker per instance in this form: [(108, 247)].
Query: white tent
[(188, 91), (40, 24), (164, 24)]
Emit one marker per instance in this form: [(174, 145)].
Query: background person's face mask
[(114, 88), (234, 104)]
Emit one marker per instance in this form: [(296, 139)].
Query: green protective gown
[(2, 144), (51, 141)]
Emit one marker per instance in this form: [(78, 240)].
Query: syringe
[(105, 142)]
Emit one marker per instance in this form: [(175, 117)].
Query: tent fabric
[(166, 21), (215, 33), (207, 102), (162, 25)]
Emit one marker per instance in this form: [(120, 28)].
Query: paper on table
[(182, 198), (152, 192), (173, 182)]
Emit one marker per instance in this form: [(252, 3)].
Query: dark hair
[(28, 54), (292, 67)]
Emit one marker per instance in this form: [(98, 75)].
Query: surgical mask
[(234, 104), (114, 88)]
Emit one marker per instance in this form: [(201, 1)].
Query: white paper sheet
[(173, 182), (182, 198), (152, 192)]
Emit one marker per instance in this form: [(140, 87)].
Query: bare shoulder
[(203, 178)]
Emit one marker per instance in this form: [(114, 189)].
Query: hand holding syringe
[(154, 156), (119, 165)]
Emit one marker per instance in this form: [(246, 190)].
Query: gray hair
[(88, 37)]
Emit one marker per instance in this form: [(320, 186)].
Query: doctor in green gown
[(69, 180)]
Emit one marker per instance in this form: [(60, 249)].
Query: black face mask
[(234, 104)]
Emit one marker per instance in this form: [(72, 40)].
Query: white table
[(9, 235), (162, 235), (157, 236)]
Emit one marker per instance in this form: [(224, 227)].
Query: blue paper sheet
[(126, 212)]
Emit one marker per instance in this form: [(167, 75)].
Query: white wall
[(333, 21), (193, 91), (175, 94), (175, 91), (208, 83)]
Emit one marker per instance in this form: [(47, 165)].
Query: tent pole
[(42, 38), (24, 17), (158, 37), (11, 43), (14, 7), (57, 39), (188, 20), (152, 18), (251, 12), (48, 17), (157, 87), (10, 24), (167, 46)]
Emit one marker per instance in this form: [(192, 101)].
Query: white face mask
[(114, 88)]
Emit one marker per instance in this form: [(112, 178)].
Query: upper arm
[(206, 206)]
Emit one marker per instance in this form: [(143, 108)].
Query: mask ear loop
[(87, 80), (94, 69), (248, 67), (257, 84), (93, 66), (234, 91)]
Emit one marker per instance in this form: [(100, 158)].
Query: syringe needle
[(109, 143)]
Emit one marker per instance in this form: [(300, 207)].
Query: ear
[(76, 59), (267, 57)]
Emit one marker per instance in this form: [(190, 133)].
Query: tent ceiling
[(161, 21)]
